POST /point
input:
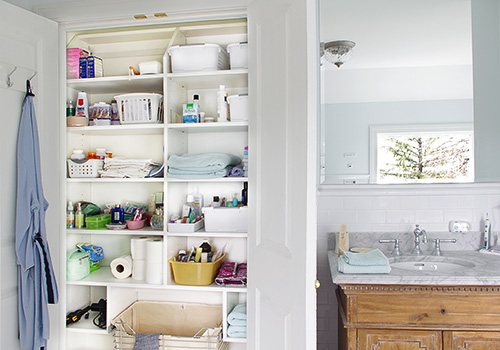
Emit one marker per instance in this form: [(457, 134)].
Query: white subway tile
[(371, 216), (339, 217), (428, 216), (463, 214), (443, 202), (330, 202), (323, 217), (385, 228), (471, 201), (400, 216), (358, 203), (386, 202), (414, 202), (359, 228)]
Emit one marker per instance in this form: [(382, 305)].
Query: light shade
[(337, 52)]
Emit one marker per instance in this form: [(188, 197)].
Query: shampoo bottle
[(222, 104), (79, 218), (197, 202), (70, 216)]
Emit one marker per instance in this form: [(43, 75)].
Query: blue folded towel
[(373, 257), (146, 341), (236, 171), (344, 267), (186, 174), (202, 162), (237, 331), (238, 317)]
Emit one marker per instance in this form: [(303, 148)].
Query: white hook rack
[(9, 82)]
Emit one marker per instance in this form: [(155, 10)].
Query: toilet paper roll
[(154, 273), (121, 267), (138, 247), (139, 270), (154, 251)]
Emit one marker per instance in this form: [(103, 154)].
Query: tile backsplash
[(392, 212)]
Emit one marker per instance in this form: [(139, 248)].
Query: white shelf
[(86, 326), (128, 129), (141, 232), (237, 78), (203, 233), (234, 340), (209, 127), (216, 180), (119, 84), (104, 278), (115, 180)]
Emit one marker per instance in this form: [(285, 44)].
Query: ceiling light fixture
[(337, 52)]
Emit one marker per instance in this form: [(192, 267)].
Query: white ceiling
[(400, 33)]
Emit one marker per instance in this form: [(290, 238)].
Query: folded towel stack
[(201, 166), (127, 168), (237, 320), (371, 262)]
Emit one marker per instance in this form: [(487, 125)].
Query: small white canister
[(238, 107)]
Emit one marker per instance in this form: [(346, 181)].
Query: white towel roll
[(139, 269), (121, 267), (138, 247)]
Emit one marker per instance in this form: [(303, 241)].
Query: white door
[(283, 88), (29, 42)]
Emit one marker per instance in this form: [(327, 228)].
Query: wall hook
[(9, 82), (34, 75)]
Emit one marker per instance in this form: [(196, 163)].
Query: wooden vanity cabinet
[(394, 317)]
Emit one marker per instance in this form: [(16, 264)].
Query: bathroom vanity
[(456, 308)]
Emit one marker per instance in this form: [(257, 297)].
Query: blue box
[(83, 67), (94, 67)]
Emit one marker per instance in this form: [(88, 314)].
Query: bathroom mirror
[(403, 103)]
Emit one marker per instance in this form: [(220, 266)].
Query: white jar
[(77, 155)]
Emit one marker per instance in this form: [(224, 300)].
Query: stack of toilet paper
[(145, 262)]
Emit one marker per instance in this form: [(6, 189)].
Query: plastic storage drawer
[(226, 219), (198, 57)]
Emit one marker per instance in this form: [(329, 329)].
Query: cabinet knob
[(317, 284)]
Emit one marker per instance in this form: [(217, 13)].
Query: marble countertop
[(486, 271)]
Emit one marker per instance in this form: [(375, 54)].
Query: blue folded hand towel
[(237, 332), (344, 267), (202, 162), (238, 317), (371, 258)]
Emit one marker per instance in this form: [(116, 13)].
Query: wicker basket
[(139, 108), (180, 325), (89, 168)]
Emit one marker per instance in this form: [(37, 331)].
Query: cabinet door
[(471, 341), (378, 339)]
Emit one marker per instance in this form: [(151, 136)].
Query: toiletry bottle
[(79, 218), (82, 105), (222, 104), (117, 215), (486, 233), (235, 200), (182, 256), (205, 246), (191, 212), (77, 155), (216, 202), (244, 194), (191, 111), (70, 216), (70, 109), (197, 202)]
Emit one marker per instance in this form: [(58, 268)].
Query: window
[(422, 154)]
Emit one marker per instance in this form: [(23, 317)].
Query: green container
[(98, 222)]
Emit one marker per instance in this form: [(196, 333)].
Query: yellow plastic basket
[(195, 274)]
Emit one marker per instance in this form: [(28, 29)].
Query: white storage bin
[(173, 227), (226, 219), (139, 108), (238, 55), (87, 168), (198, 57), (150, 67), (238, 107)]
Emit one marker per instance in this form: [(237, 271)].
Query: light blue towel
[(238, 317), (371, 258), (207, 162), (185, 174), (237, 331), (344, 267)]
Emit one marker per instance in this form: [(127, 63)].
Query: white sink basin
[(430, 263)]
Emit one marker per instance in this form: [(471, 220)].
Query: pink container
[(73, 62), (135, 225)]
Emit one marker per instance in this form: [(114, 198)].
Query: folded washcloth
[(344, 267), (202, 162), (373, 257), (236, 331), (236, 171), (146, 341), (238, 317)]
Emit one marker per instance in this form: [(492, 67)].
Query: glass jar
[(157, 220)]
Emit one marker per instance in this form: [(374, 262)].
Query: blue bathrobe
[(37, 283)]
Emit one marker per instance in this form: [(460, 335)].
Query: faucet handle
[(396, 251), (437, 247)]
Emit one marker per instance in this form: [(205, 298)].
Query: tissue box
[(73, 62)]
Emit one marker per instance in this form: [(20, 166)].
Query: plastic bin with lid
[(198, 57)]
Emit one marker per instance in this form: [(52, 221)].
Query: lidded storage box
[(139, 108), (226, 219), (198, 57), (77, 265), (181, 325), (238, 55), (97, 222), (238, 107)]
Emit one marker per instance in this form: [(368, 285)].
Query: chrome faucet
[(419, 233)]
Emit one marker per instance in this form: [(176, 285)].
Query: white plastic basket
[(89, 168), (198, 57), (139, 108), (238, 55)]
